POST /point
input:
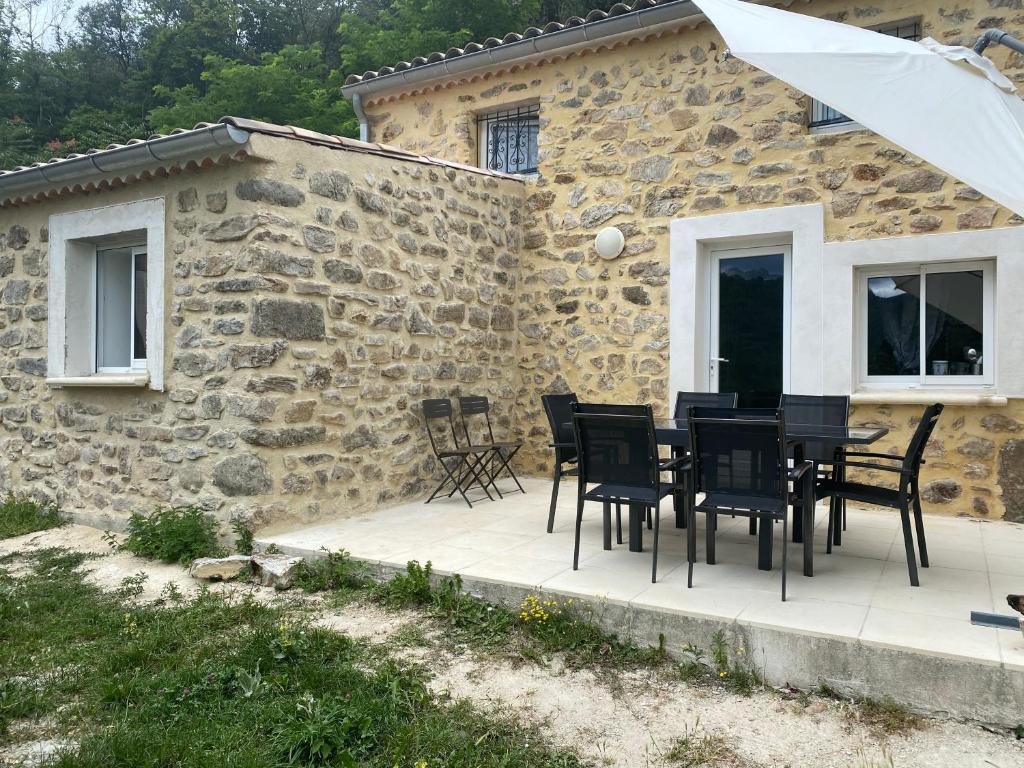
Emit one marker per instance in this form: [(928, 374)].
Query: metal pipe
[(364, 124), (998, 37)]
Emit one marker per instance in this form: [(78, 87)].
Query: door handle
[(719, 360)]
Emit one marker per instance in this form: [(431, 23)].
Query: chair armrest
[(873, 455), (800, 470), (868, 465), (561, 445), (679, 462)]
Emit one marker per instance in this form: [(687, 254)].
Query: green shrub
[(335, 571), (174, 535), (407, 589), (22, 514), (243, 536)]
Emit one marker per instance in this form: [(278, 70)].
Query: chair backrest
[(615, 409), (616, 449), (915, 450), (739, 452), (704, 400), (440, 409), (832, 410), (475, 405), (559, 412)]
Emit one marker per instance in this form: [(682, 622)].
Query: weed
[(887, 718), (697, 748), (693, 667), (1018, 732), (335, 571), (408, 589), (243, 536), (22, 514), (737, 675), (173, 535), (272, 549)]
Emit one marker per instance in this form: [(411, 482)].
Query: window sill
[(847, 127), (925, 396), (140, 379)]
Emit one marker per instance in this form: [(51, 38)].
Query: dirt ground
[(630, 721)]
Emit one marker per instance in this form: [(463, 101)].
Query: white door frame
[(711, 369)]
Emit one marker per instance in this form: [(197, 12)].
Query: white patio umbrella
[(945, 104)]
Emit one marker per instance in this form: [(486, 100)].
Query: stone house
[(735, 191), (243, 316)]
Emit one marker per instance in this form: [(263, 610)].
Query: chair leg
[(648, 518), (618, 523), (453, 478), (579, 524), (606, 519), (785, 547), (691, 537), (908, 542), (922, 546), (709, 554), (554, 497), (654, 564), (831, 523), (753, 526)]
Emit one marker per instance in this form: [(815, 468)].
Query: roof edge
[(526, 48)]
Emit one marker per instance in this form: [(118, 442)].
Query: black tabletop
[(676, 432)]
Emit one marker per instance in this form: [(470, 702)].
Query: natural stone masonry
[(666, 127), (313, 298)]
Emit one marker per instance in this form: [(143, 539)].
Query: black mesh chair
[(906, 497), (739, 463), (559, 412), (833, 410), (467, 468), (684, 400), (501, 452), (618, 463)]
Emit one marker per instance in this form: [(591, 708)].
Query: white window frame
[(72, 320), (482, 118), (925, 379), (137, 363)]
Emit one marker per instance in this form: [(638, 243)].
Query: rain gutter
[(121, 160), (503, 55)]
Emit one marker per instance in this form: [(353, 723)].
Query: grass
[(173, 535), (217, 681), (22, 514), (887, 718), (697, 749)]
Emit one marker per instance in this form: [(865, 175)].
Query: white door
[(750, 323)]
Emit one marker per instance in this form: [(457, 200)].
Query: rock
[(285, 437), (1011, 479), (502, 318), (721, 136), (380, 280), (213, 265), (262, 259), (287, 318), (188, 199), (15, 292), (845, 204), (976, 448), (707, 203), (654, 168), (894, 203), (193, 364), (263, 190), (340, 271), (867, 172), (333, 184), (758, 193), (941, 491), (636, 294), (919, 181), (220, 568), (277, 571), (243, 474), (764, 170), (997, 422), (979, 217), (925, 222), (255, 355), (697, 96), (232, 228), (596, 215), (832, 178), (681, 119), (17, 237), (217, 202), (318, 239)]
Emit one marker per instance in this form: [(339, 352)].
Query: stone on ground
[(220, 568), (276, 571)]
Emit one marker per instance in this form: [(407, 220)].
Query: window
[(120, 309), (928, 325), (508, 139), (822, 115), (106, 296)]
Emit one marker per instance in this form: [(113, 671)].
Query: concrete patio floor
[(857, 624)]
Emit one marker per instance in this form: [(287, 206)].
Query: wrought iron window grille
[(508, 139)]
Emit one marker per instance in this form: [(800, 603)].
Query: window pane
[(509, 140), (894, 326), (139, 320), (953, 323), (113, 308)]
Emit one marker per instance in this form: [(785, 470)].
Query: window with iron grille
[(823, 115), (508, 139)]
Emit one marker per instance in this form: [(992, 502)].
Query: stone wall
[(652, 129), (314, 297)]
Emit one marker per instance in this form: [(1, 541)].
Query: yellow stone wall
[(645, 130)]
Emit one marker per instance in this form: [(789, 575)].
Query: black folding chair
[(618, 463), (558, 409), (501, 453), (469, 465), (739, 463), (905, 498), (684, 400), (833, 410)]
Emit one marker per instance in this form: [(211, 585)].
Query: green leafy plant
[(736, 674), (23, 514), (173, 535), (1018, 732), (334, 571), (324, 733), (243, 536), (409, 588)]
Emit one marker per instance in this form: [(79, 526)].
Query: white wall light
[(609, 242)]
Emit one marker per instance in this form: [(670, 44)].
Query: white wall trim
[(70, 234), (824, 313)]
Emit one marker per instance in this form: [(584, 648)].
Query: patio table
[(676, 433)]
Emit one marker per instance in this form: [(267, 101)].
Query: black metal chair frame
[(565, 450), (468, 468), (683, 402), (906, 498), (747, 505), (835, 405), (593, 486), (501, 453)]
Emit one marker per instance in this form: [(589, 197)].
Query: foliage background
[(80, 76)]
